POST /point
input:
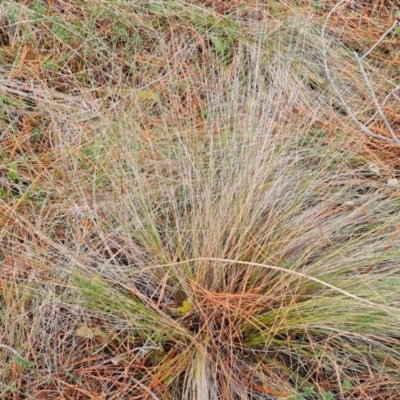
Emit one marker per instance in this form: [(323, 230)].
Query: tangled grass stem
[(12, 350), (275, 268)]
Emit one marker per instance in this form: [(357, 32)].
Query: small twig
[(392, 93), (364, 129), (375, 100), (380, 40)]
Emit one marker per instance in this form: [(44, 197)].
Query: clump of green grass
[(201, 224)]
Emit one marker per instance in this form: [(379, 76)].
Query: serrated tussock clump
[(207, 228)]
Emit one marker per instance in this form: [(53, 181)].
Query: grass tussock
[(198, 200)]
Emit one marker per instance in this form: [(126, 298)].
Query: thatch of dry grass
[(199, 200)]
